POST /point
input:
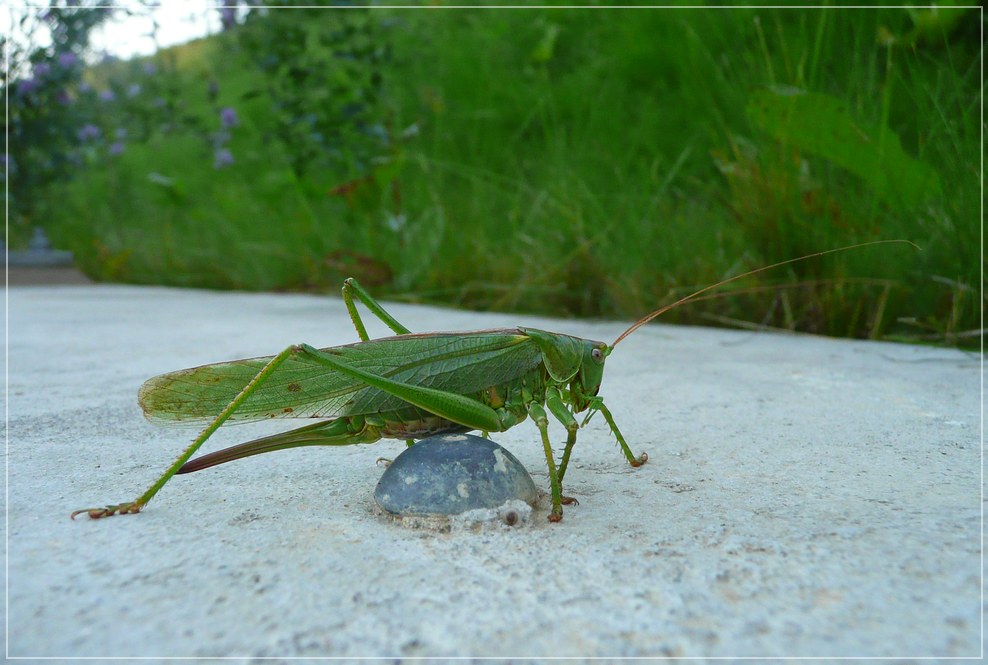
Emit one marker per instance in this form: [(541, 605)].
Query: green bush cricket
[(408, 386)]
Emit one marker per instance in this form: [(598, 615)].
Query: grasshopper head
[(587, 381)]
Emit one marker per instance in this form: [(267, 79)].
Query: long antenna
[(662, 310)]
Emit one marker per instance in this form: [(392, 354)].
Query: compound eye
[(597, 355)]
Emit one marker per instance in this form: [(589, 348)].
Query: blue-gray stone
[(449, 474)]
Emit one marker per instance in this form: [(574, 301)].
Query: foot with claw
[(128, 508)]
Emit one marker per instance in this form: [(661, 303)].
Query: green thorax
[(571, 360)]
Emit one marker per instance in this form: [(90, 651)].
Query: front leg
[(597, 404)]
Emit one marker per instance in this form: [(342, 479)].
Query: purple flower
[(150, 69), (106, 96), (228, 17), (85, 87), (222, 157), (68, 59), (133, 90), (63, 97), (88, 132), (116, 147), (27, 86), (41, 69), (121, 133), (228, 117)]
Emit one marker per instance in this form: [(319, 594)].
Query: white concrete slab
[(803, 497)]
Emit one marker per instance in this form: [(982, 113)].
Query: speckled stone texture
[(449, 474)]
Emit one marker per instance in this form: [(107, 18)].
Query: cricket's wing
[(464, 363)]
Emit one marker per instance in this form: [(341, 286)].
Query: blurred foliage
[(322, 73), (821, 124), (49, 112), (594, 162)]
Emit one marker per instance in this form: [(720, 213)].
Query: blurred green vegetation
[(571, 162)]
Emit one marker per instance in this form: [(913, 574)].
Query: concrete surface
[(803, 497)]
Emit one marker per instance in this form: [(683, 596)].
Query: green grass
[(589, 163)]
